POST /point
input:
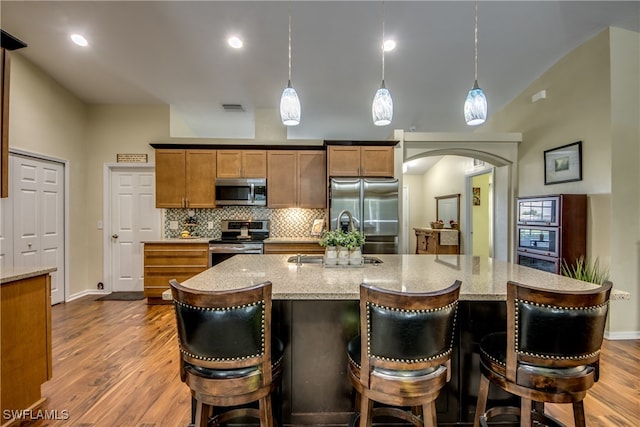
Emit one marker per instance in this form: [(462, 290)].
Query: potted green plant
[(354, 241), (585, 270), (331, 240)]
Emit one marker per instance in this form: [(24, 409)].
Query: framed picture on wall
[(476, 196), (563, 164)]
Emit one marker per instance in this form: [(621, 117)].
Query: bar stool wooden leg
[(366, 406), (481, 405), (429, 414), (578, 414), (525, 412)]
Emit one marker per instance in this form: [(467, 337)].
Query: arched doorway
[(499, 154)]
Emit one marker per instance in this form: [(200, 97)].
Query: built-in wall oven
[(238, 237)]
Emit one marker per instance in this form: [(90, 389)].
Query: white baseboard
[(85, 293), (624, 335)]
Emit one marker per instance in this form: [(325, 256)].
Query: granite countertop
[(482, 278), (12, 274), (180, 240)]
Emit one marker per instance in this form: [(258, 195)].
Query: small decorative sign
[(132, 158)]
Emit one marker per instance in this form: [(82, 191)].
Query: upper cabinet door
[(344, 160), (312, 185), (254, 163), (376, 161), (241, 164), (282, 179), (229, 164), (170, 178), (200, 174), (365, 161)]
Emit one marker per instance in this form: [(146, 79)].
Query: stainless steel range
[(238, 237)]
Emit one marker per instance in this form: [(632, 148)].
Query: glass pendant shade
[(290, 106), (382, 107), (475, 107)]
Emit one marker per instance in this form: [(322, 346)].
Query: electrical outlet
[(173, 225), (210, 225)]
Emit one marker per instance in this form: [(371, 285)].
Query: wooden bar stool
[(228, 357), (550, 352), (403, 353)]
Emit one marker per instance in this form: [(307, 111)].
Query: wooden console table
[(433, 241)]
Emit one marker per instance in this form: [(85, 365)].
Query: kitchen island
[(25, 339), (316, 312)]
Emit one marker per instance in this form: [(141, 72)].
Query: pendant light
[(475, 107), (289, 102), (382, 107)]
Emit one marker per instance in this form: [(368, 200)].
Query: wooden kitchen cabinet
[(185, 178), (431, 241), (4, 122), (365, 161), (242, 164), (296, 179), (166, 261)]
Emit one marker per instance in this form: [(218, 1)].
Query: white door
[(134, 218), (37, 194)]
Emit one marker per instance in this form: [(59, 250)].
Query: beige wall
[(46, 119), (114, 129), (592, 96)]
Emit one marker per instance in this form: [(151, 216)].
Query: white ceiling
[(175, 52)]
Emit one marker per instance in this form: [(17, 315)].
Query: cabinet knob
[(115, 236)]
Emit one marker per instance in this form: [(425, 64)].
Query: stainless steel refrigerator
[(373, 205)]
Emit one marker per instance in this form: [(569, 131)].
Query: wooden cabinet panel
[(185, 178), (365, 161), (282, 179), (25, 342), (200, 171), (242, 164), (170, 178), (376, 161), (296, 179), (293, 248), (5, 66), (254, 164), (312, 183), (166, 261), (428, 241), (344, 161)]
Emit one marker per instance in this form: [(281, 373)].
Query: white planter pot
[(343, 255), (355, 256), (331, 255)]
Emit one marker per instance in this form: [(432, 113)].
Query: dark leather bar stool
[(228, 357), (550, 352), (403, 353)]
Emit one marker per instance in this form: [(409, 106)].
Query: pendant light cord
[(289, 10), (475, 40), (383, 41)]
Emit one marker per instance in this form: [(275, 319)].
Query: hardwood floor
[(115, 364)]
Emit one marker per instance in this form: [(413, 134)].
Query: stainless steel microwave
[(241, 192)]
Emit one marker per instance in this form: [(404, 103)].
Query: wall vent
[(233, 108)]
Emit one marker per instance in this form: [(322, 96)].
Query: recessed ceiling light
[(79, 40), (389, 45), (235, 42)]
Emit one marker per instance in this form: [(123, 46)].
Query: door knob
[(115, 236)]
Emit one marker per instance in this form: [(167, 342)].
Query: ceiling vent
[(233, 108)]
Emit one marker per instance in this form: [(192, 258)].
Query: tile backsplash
[(292, 222)]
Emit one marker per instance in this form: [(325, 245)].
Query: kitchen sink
[(318, 259)]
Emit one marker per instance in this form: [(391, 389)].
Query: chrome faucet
[(350, 216)]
